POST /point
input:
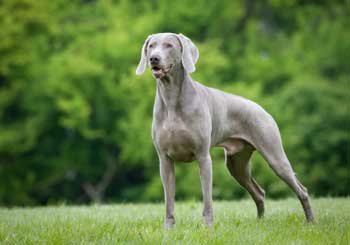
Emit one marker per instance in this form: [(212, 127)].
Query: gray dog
[(189, 119)]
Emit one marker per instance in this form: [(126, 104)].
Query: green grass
[(235, 223)]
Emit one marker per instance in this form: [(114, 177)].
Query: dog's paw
[(208, 221), (169, 223)]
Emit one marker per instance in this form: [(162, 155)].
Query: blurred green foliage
[(75, 120)]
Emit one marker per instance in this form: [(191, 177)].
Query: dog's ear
[(143, 60), (190, 53)]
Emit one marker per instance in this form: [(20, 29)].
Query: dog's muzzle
[(159, 71)]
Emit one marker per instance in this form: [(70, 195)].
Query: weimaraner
[(190, 118)]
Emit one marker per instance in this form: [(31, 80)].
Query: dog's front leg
[(167, 174), (205, 166)]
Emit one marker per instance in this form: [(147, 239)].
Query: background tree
[(75, 121)]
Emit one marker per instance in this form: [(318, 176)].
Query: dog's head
[(164, 51)]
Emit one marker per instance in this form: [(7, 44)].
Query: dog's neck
[(169, 88)]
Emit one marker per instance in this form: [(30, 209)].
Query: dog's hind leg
[(284, 170), (270, 146), (239, 166)]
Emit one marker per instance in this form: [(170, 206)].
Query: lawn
[(235, 223)]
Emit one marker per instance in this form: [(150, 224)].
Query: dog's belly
[(176, 141)]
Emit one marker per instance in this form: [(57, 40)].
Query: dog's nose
[(154, 59)]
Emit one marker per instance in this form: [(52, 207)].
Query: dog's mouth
[(159, 71)]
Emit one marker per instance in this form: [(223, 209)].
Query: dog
[(190, 118)]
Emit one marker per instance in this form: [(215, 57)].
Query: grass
[(235, 223)]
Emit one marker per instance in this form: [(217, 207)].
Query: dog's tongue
[(158, 73)]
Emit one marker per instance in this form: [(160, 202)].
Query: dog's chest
[(176, 140)]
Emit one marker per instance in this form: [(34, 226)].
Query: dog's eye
[(168, 45), (151, 46)]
